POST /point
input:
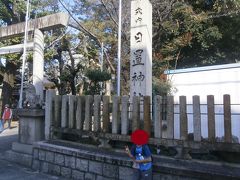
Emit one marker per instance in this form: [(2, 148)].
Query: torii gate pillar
[(38, 62), (38, 25)]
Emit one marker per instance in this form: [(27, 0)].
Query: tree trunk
[(8, 84), (72, 84), (61, 85)]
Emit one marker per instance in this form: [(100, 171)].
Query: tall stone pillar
[(38, 62), (141, 48)]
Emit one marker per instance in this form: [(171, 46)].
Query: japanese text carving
[(137, 94), (139, 78), (138, 57), (138, 11), (138, 37), (138, 20)]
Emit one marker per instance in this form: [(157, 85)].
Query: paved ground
[(11, 171)]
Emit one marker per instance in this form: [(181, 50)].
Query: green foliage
[(98, 75), (195, 33), (186, 29), (95, 77), (93, 89), (162, 87)]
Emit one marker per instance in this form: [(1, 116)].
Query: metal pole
[(24, 54), (119, 48), (101, 66), (102, 57)]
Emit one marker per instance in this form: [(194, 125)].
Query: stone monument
[(31, 100), (141, 48)]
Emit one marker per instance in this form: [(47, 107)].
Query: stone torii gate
[(37, 26)]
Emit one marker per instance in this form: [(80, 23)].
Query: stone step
[(19, 158), (22, 148)]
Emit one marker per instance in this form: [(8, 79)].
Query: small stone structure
[(32, 100), (31, 127), (31, 130)]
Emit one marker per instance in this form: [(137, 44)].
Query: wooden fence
[(116, 118)]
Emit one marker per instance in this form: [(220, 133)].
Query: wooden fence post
[(80, 112), (135, 113), (64, 112), (106, 119), (196, 118), (50, 94), (227, 118), (116, 115), (170, 117), (97, 118), (57, 110), (163, 111), (124, 115), (147, 114), (211, 118), (88, 113), (183, 118), (71, 111), (157, 117)]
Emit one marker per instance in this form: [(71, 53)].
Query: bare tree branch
[(109, 13), (82, 28), (56, 40), (115, 9), (77, 25)]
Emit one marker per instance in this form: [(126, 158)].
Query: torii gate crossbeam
[(45, 23), (15, 48)]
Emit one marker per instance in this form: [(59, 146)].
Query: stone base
[(31, 125), (183, 153), (81, 161), (19, 158), (22, 148), (104, 144)]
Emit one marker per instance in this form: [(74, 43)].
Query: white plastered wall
[(212, 80)]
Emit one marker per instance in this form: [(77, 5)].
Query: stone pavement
[(11, 171)]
